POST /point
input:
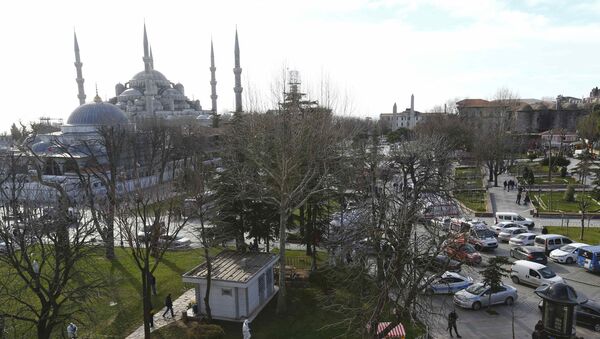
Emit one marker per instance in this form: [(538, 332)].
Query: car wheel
[(569, 260), (509, 301), (514, 279), (597, 328), (476, 306), (511, 254)]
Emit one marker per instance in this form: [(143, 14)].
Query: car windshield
[(567, 248), (477, 289), (482, 234), (547, 273), (521, 236)]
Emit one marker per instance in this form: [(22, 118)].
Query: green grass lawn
[(475, 200), (304, 320), (556, 179), (542, 202), (467, 172), (591, 235), (468, 182)]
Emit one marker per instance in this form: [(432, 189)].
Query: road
[(480, 324)]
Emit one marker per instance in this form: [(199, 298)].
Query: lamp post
[(558, 310)]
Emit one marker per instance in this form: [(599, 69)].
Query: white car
[(449, 282), (509, 232), (523, 239), (478, 295), (566, 254), (501, 226)]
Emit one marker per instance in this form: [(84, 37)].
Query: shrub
[(556, 161), (531, 155), (563, 171), (205, 331), (569, 194)]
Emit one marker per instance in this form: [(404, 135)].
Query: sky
[(363, 55)]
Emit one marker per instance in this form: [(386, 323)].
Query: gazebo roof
[(233, 266)]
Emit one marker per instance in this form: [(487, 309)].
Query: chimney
[(412, 104)]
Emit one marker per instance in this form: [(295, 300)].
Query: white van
[(532, 273), (551, 242), (514, 217)]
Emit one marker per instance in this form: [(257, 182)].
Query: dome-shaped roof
[(171, 92), (97, 113), (539, 106), (131, 92), (151, 75), (41, 147), (525, 107)]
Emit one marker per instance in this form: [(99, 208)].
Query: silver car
[(478, 295), (510, 232), (501, 226), (523, 239)]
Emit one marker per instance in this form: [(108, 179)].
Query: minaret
[(412, 104), (395, 109), (147, 58), (213, 80), (79, 79), (151, 59), (237, 70)]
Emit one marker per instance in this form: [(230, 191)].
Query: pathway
[(179, 305)]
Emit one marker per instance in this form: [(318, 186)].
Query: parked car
[(463, 252), (587, 314), (440, 263), (482, 238), (175, 242), (501, 226), (449, 282), (478, 295), (531, 253), (589, 258), (551, 242), (531, 273), (523, 239), (515, 218), (566, 254), (508, 233)]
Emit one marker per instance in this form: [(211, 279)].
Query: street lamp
[(558, 310)]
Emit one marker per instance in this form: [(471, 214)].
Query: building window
[(226, 291)]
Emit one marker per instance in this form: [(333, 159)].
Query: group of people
[(510, 185)]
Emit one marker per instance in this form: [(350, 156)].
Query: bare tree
[(48, 276)]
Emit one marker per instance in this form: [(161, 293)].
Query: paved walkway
[(179, 305)]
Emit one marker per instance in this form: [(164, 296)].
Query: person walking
[(505, 185), (72, 331), (526, 200), (246, 330), (519, 198), (151, 317), (169, 304), (452, 317)]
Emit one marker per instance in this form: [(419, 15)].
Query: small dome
[(97, 113), (130, 93), (525, 107), (173, 93), (41, 147), (539, 106)]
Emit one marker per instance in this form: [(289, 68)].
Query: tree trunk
[(308, 228), (146, 302), (208, 271), (281, 298), (490, 167)]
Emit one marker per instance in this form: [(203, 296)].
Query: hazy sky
[(370, 53)]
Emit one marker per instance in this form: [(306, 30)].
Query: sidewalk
[(179, 305)]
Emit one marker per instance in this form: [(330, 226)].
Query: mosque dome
[(41, 147), (173, 93), (97, 113), (539, 106), (131, 93), (153, 75)]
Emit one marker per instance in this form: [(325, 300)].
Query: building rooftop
[(233, 266)]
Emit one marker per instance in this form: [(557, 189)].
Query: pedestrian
[(72, 330), (519, 198), (520, 189), (505, 185), (544, 230), (152, 282), (246, 330), (527, 199), (169, 304), (452, 317), (151, 317), (539, 326)]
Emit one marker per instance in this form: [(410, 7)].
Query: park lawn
[(556, 180), (467, 172), (591, 235), (475, 200), (468, 182), (542, 202), (303, 320)]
